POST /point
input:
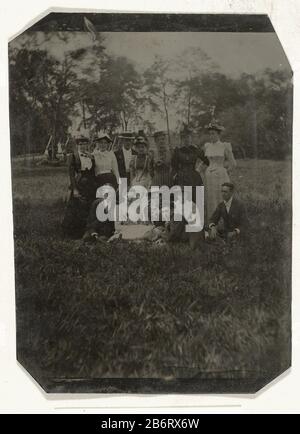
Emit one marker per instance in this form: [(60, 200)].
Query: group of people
[(93, 165)]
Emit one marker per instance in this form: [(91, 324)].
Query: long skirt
[(189, 177), (106, 178), (85, 183), (75, 217), (162, 176), (214, 178)]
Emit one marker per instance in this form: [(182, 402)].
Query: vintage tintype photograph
[(151, 174)]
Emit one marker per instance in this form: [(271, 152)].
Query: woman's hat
[(103, 137), (214, 125)]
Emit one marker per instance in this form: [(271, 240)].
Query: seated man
[(233, 214)]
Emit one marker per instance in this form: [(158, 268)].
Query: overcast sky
[(233, 52)]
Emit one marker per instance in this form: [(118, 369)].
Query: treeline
[(110, 93)]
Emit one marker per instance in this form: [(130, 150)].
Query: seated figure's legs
[(96, 227)]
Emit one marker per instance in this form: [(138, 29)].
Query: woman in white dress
[(221, 160)]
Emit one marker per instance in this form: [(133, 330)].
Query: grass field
[(139, 311)]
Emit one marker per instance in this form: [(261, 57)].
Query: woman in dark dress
[(184, 160), (82, 188)]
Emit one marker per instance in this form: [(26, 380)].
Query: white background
[(18, 391)]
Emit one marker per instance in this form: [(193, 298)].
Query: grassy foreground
[(128, 310)]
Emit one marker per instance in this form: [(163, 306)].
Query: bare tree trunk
[(189, 107), (167, 115), (189, 100), (122, 120), (28, 138), (254, 126), (54, 134), (83, 114), (53, 141)]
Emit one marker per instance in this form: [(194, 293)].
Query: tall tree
[(189, 66), (42, 95), (115, 100), (158, 88)]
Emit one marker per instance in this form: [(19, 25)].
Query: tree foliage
[(89, 86)]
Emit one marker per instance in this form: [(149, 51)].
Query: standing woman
[(82, 188), (221, 159), (162, 159), (81, 166), (106, 165), (184, 161), (141, 165)]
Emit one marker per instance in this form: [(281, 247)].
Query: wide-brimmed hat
[(126, 135), (103, 137), (80, 138), (159, 134), (215, 126)]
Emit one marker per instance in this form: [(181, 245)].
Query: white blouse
[(106, 162), (220, 154)]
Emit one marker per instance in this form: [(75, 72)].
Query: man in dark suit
[(231, 212), (124, 154)]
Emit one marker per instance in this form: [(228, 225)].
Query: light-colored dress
[(141, 170), (220, 158)]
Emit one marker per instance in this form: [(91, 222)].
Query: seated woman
[(82, 185), (186, 214), (106, 165)]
